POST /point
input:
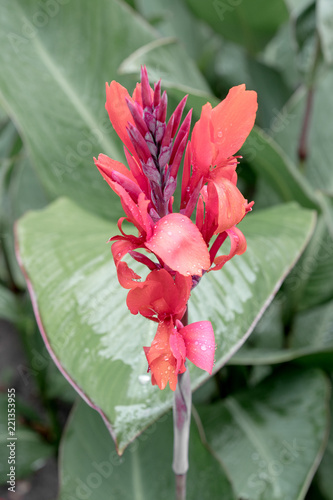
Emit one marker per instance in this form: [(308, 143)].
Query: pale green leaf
[(96, 341), (325, 27)]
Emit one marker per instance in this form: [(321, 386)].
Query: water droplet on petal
[(203, 348)]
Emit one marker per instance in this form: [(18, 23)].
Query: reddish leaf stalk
[(181, 427), (303, 143)]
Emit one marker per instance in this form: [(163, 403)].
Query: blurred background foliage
[(261, 425)]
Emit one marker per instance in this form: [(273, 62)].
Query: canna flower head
[(176, 250)]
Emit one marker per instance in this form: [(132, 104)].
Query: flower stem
[(182, 404)]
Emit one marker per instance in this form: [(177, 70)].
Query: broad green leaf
[(251, 24), (30, 450), (92, 336), (55, 62), (309, 341), (174, 19), (280, 53), (9, 308), (22, 192), (235, 66), (271, 163), (271, 438), (317, 167), (91, 468), (310, 283), (324, 12), (324, 474)]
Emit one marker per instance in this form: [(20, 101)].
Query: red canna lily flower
[(173, 344), (160, 296), (164, 299), (176, 250)]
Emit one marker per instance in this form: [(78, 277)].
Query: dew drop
[(169, 233), (203, 348), (219, 134), (144, 379)]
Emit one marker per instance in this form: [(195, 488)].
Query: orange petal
[(233, 120), (231, 204), (162, 362)]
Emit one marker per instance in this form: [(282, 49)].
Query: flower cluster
[(176, 251)]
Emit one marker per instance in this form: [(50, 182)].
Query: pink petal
[(179, 243), (200, 344)]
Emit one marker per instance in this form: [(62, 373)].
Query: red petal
[(200, 344), (178, 349), (238, 247), (160, 295), (106, 166), (126, 276), (201, 140), (233, 120), (162, 362), (121, 248), (179, 243), (119, 113)]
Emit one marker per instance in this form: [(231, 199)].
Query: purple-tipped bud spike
[(150, 120), (151, 172), (177, 157), (160, 130), (161, 110), (177, 114), (145, 88), (131, 187), (164, 156), (151, 144), (139, 122), (138, 142), (169, 189), (183, 132), (168, 133), (157, 93)]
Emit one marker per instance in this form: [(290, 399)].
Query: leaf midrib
[(68, 90)]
